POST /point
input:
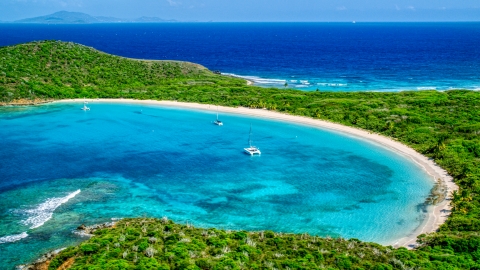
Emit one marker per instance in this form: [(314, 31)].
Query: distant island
[(66, 17)]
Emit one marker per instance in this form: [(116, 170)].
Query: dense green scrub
[(66, 70), (162, 244), (442, 125)]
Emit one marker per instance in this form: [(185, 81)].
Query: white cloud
[(341, 8), (173, 3), (397, 7), (411, 8)]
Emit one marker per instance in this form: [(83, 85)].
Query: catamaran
[(85, 108), (218, 122), (252, 150)]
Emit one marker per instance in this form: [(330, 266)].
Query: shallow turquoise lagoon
[(61, 167)]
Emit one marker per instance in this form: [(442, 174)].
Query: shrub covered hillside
[(442, 125), (52, 69), (162, 244)]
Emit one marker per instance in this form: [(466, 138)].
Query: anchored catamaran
[(85, 108), (252, 150)]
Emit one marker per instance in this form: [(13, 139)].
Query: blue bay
[(61, 167)]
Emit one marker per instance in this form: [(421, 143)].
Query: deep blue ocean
[(307, 56)]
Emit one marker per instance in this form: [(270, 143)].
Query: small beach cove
[(435, 216)]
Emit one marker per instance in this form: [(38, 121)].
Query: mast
[(250, 136)]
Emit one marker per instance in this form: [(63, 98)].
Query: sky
[(254, 10)]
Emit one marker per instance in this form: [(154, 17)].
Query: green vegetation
[(56, 70), (442, 125), (162, 244)]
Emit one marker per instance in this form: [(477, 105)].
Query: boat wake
[(12, 238), (44, 211)]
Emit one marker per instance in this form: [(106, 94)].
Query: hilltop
[(53, 69)]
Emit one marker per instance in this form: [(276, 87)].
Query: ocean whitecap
[(13, 238), (43, 212), (427, 88)]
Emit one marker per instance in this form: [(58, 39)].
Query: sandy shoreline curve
[(437, 214)]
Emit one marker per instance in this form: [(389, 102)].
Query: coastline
[(43, 261), (26, 102), (437, 214)]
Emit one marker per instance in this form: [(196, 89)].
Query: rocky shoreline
[(89, 230), (43, 262), (26, 102)]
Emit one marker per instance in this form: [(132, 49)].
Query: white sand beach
[(437, 214)]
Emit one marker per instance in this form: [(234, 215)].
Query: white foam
[(276, 82), (12, 238), (257, 79), (240, 76), (44, 211), (427, 88), (332, 84), (270, 81)]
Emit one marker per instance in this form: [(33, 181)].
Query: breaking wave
[(258, 80), (427, 88), (347, 83), (13, 238), (44, 211)]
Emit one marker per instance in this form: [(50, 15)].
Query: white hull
[(218, 123), (252, 151)]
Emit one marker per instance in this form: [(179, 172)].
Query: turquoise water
[(61, 167)]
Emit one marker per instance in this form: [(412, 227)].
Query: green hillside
[(161, 244), (57, 70), (442, 125)]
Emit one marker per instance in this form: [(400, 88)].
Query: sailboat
[(251, 150), (85, 108), (218, 122)]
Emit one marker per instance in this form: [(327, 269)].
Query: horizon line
[(211, 21)]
